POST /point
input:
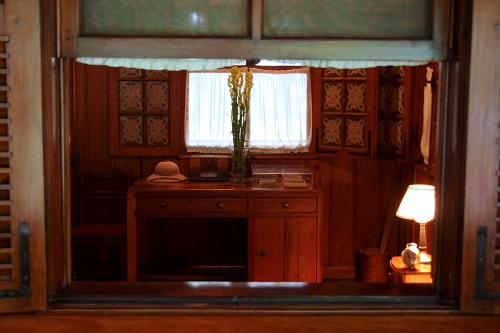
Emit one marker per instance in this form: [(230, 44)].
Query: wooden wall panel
[(341, 204), (322, 176), (366, 214), (97, 146)]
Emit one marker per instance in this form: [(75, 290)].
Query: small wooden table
[(421, 273)]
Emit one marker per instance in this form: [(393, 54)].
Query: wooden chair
[(99, 239)]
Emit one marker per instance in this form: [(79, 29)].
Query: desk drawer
[(192, 205), (285, 205)]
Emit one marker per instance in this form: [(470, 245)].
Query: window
[(280, 111)]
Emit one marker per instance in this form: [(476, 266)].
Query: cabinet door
[(285, 249)]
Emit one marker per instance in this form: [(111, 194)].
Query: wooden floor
[(104, 323)]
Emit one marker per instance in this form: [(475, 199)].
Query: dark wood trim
[(451, 153), (69, 25)]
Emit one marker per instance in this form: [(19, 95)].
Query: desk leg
[(131, 238)]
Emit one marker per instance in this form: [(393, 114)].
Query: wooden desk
[(284, 225), (420, 274)]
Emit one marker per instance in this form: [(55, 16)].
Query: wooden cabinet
[(285, 242), (283, 225), (285, 249)]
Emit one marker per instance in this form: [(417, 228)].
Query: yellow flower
[(240, 104)]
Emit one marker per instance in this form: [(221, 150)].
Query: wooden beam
[(421, 50), (256, 19), (69, 27), (441, 18)]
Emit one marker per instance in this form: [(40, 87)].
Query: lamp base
[(425, 258)]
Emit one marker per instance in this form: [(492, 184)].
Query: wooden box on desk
[(401, 274)]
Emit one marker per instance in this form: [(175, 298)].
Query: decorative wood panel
[(346, 112), (139, 111), (390, 105), (400, 112)]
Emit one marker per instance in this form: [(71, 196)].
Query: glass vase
[(238, 169)]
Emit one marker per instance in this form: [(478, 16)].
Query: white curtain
[(280, 111), (210, 64), (427, 112), (161, 64), (208, 107)]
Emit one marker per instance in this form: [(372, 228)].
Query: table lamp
[(418, 204)]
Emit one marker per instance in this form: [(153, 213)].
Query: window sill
[(184, 297), (263, 156)]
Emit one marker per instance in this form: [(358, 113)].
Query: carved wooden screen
[(347, 111), (393, 111), (140, 122)]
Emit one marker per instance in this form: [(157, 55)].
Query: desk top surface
[(142, 185)]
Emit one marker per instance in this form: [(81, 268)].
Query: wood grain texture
[(69, 13), (109, 323), (22, 21), (481, 207), (155, 47)]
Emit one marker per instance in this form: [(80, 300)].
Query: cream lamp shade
[(418, 204)]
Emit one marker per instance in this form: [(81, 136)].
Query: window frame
[(259, 297), (441, 19)]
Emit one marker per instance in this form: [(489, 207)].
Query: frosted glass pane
[(165, 17), (347, 18)]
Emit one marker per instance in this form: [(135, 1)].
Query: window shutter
[(23, 284), (9, 277)]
